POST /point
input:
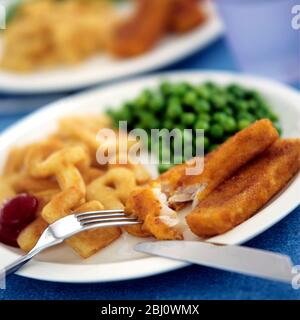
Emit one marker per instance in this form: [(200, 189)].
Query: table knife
[(240, 259)]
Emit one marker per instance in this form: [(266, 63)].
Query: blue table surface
[(193, 282)]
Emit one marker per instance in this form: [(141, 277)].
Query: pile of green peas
[(220, 111)]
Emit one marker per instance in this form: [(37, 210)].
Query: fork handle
[(16, 265)]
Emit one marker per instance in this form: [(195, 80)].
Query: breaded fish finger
[(240, 197), (223, 162)]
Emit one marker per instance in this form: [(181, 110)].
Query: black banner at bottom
[(97, 310)]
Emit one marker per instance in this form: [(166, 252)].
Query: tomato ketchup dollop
[(15, 215)]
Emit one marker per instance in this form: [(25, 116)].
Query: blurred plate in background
[(103, 68)]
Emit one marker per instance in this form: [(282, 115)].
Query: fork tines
[(105, 216)]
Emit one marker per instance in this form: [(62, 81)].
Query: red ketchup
[(15, 215)]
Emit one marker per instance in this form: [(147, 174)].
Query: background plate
[(102, 67)]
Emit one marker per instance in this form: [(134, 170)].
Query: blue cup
[(261, 36)]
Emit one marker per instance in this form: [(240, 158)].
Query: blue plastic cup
[(261, 36)]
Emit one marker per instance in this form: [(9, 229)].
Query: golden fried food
[(22, 182), (59, 170), (142, 176), (185, 15), (6, 191), (90, 174), (141, 31), (113, 188), (149, 205), (85, 243), (222, 162), (14, 161), (46, 33), (240, 197), (89, 242), (89, 127), (30, 235), (175, 188)]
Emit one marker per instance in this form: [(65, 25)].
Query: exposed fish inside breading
[(150, 206), (241, 196)]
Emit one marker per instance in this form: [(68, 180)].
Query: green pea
[(216, 131), (190, 98), (273, 117), (245, 116), (201, 124), (188, 118), (174, 108), (220, 117), (228, 111), (260, 114), (180, 126), (243, 123), (202, 106), (156, 103), (166, 88), (242, 105), (218, 101), (211, 86), (141, 101), (204, 116), (168, 124), (236, 90), (180, 89), (231, 99), (252, 105), (203, 92), (230, 125)]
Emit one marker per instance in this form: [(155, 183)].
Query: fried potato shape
[(122, 160), (22, 182), (30, 235), (240, 197), (113, 188), (150, 207), (43, 161), (90, 242), (85, 243), (223, 162)]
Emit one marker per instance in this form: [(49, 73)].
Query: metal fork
[(70, 225)]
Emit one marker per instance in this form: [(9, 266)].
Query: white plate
[(102, 67), (118, 261)]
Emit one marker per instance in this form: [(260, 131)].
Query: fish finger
[(240, 197), (220, 164)]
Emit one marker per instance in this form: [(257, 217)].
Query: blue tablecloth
[(192, 282)]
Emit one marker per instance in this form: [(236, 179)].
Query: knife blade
[(244, 260)]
